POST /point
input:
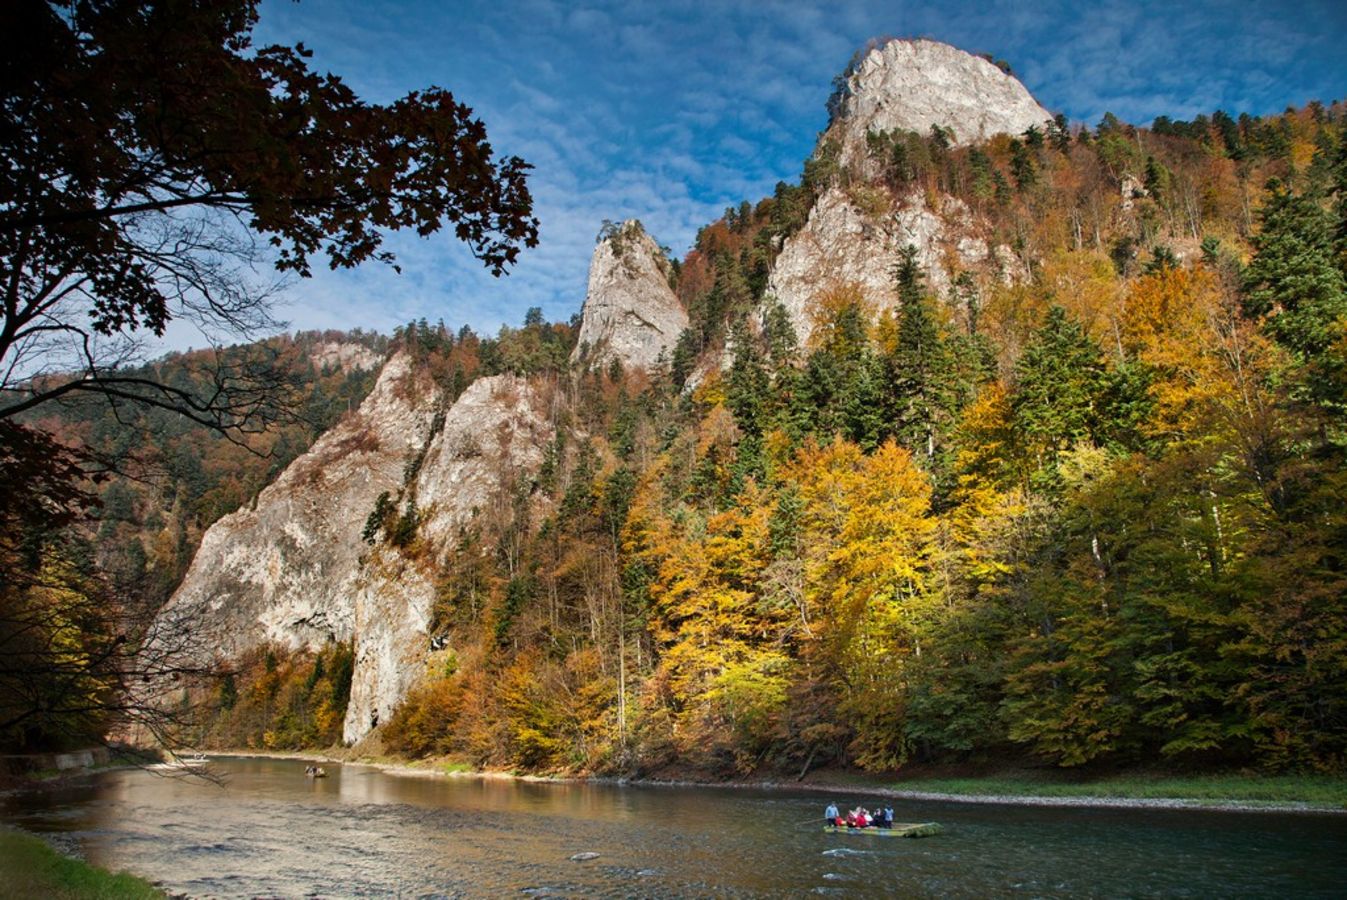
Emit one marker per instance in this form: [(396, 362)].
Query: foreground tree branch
[(141, 139)]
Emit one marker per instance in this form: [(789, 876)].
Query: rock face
[(294, 568), (492, 440), (345, 356), (286, 569), (630, 312), (841, 245), (914, 84)]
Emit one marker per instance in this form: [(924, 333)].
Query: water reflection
[(363, 833)]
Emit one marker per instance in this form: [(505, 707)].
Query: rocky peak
[(631, 314), (911, 85)]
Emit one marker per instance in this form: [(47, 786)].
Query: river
[(362, 832)]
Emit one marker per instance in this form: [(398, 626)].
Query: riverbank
[(31, 867), (1220, 793)]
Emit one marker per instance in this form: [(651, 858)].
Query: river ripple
[(362, 832)]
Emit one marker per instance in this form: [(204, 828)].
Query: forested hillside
[(1085, 507), (1093, 513)]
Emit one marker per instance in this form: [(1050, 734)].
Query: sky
[(669, 111)]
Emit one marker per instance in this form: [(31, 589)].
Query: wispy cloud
[(671, 110)]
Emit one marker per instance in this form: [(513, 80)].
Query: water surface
[(361, 832)]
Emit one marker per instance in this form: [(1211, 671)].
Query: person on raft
[(830, 815)]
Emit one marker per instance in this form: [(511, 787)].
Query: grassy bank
[(1319, 791), (31, 868)]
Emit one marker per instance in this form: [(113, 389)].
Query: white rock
[(1131, 189), (285, 569), (840, 245), (630, 312), (492, 442), (295, 569), (913, 84), (346, 356)]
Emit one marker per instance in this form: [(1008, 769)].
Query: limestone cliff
[(285, 569), (294, 569), (841, 244), (630, 313), (913, 84), (491, 444)]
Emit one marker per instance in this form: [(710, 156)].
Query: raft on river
[(898, 829)]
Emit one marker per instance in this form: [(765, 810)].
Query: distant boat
[(194, 763), (315, 772), (898, 829)]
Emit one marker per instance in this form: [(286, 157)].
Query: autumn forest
[(1088, 511)]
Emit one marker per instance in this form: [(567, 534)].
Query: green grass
[(31, 868), (1319, 790)]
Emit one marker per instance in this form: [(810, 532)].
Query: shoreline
[(410, 769)]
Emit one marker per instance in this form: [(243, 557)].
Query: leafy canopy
[(139, 136)]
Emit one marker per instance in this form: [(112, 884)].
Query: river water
[(269, 831)]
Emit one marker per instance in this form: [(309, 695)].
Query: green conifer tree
[(1294, 284), (1060, 380)]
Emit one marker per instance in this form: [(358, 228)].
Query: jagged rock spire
[(631, 314)]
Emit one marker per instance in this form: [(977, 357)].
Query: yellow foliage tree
[(720, 669), (870, 540)]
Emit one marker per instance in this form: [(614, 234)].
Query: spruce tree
[(922, 381), (1060, 380), (1292, 281), (1339, 176), (748, 389), (1294, 284), (1022, 165)]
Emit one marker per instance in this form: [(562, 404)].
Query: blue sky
[(670, 111)]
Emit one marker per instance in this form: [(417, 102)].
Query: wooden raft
[(899, 829)]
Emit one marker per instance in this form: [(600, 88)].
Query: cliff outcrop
[(630, 313), (295, 568), (489, 449), (911, 85), (841, 244), (285, 569)]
